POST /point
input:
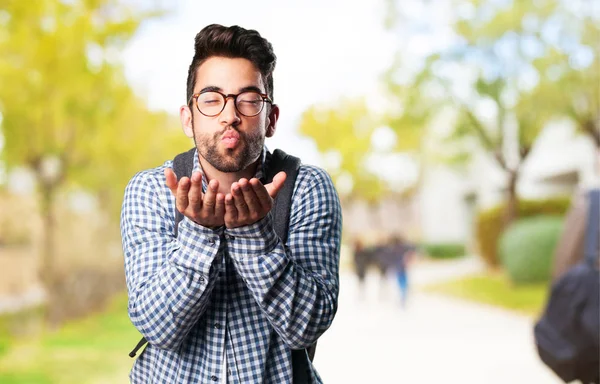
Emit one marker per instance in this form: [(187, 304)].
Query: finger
[(220, 205), (275, 186), (238, 200), (195, 193), (261, 193), (231, 213), (171, 180), (254, 205), (210, 198), (181, 198)]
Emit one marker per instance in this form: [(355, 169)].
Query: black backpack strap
[(277, 162), (139, 345), (183, 165), (592, 233), (281, 161)]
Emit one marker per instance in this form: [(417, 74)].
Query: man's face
[(229, 141)]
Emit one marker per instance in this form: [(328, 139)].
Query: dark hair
[(233, 42)]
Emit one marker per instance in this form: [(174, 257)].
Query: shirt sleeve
[(169, 279), (296, 285)]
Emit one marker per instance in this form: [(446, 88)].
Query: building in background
[(444, 208)]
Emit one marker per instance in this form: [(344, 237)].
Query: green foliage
[(5, 340), (527, 248), (503, 72), (21, 324), (567, 85), (489, 223), (444, 250), (64, 97), (496, 289), (345, 131), (53, 96), (64, 100)]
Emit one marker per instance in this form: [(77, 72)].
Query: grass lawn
[(91, 350), (495, 288)]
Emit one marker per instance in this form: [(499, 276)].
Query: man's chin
[(228, 165)]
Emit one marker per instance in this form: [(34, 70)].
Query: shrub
[(489, 223), (527, 248), (444, 250), (81, 289)]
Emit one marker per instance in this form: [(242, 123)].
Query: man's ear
[(272, 120), (185, 116)]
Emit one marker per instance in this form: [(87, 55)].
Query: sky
[(325, 50)]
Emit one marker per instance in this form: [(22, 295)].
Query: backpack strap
[(592, 234), (281, 161), (183, 165)]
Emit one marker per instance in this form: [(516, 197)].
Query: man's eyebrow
[(213, 88), (253, 88)]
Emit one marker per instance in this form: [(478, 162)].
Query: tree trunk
[(47, 268), (591, 128), (512, 201)]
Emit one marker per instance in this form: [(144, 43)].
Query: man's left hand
[(250, 200)]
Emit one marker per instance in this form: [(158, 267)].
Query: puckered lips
[(230, 139)]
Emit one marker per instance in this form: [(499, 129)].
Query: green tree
[(524, 64), (68, 113), (343, 131)]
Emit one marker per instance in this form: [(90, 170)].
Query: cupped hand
[(249, 200), (206, 209)]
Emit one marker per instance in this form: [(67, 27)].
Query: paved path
[(435, 340)]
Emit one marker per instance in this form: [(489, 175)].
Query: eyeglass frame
[(264, 96)]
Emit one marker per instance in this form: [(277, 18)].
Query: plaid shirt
[(235, 290)]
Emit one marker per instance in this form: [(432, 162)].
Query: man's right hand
[(207, 209)]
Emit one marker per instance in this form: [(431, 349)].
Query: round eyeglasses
[(248, 103)]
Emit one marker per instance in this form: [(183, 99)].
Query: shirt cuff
[(252, 240), (198, 246)]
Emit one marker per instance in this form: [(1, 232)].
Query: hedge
[(489, 223), (444, 250), (527, 248)]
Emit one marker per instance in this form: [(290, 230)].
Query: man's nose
[(230, 114)]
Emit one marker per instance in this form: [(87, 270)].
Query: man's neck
[(225, 179)]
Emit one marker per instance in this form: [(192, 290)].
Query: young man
[(220, 298)]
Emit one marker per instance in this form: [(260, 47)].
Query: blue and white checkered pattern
[(190, 295)]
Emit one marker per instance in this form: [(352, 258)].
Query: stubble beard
[(229, 160)]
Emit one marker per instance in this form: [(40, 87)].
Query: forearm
[(169, 289), (299, 303)]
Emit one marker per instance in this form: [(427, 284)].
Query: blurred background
[(459, 133)]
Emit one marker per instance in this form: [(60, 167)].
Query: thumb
[(171, 180), (275, 186)]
